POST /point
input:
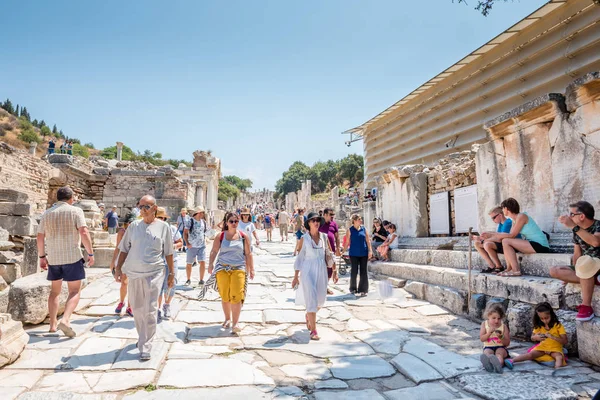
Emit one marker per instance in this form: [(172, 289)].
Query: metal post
[(470, 264)]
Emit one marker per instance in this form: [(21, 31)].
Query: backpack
[(192, 225), (267, 219), (242, 235)]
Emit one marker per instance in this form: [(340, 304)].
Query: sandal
[(498, 270), (235, 329), (314, 335), (226, 324), (513, 273), (488, 270)]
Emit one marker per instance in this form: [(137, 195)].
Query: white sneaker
[(167, 310)]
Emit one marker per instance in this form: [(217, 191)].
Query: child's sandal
[(314, 335), (509, 363)]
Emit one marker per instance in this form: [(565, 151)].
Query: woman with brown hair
[(129, 218), (359, 247), (310, 278), (234, 264)]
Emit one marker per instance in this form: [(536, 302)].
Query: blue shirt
[(113, 219), (505, 227), (358, 242)]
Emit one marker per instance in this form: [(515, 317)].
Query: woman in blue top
[(359, 245), (533, 239)]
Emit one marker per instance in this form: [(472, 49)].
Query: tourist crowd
[(144, 263)]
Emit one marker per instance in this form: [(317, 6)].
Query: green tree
[(17, 110), (227, 190), (41, 124), (45, 131), (241, 184), (89, 145), (54, 130), (291, 181), (79, 150), (8, 107), (25, 114), (28, 134), (110, 153), (35, 123), (61, 134), (352, 168)]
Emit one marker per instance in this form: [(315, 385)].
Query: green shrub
[(89, 145), (45, 131), (79, 150), (29, 135)]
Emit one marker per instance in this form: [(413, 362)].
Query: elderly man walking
[(145, 247), (61, 231)]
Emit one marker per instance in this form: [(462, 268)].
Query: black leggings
[(363, 285)]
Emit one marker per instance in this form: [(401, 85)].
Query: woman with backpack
[(534, 240), (229, 276)]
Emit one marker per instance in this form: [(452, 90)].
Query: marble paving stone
[(397, 381), (96, 354), (64, 381), (11, 393), (82, 304), (288, 391), (65, 396), (107, 298), (425, 391), (415, 369), (517, 386), (446, 362), (339, 313), (309, 372), (409, 303), (246, 357), (210, 331), (215, 372), (368, 394), (331, 384), (203, 306), (321, 350), (355, 325), (195, 350), (54, 342), (129, 358), (284, 317), (274, 330), (388, 342), (277, 358), (410, 326), (213, 317), (104, 323), (233, 342), (41, 359), (19, 378), (383, 325), (99, 310), (123, 380), (93, 291), (360, 367), (431, 310)]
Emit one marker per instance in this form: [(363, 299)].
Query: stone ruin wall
[(545, 153)]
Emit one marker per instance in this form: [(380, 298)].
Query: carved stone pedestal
[(12, 339)]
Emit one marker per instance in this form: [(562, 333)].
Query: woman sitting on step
[(533, 240)]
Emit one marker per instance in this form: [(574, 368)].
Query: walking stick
[(470, 264)]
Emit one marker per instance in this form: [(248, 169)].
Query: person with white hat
[(247, 226), (194, 237), (586, 255)]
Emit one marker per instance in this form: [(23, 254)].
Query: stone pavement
[(399, 348)]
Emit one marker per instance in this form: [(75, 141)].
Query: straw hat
[(197, 210), (245, 211), (161, 213), (587, 267)]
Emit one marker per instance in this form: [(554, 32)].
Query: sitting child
[(390, 243), (550, 333), (495, 337)]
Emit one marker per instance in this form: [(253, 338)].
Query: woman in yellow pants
[(231, 249)]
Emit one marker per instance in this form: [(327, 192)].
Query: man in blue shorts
[(61, 231)]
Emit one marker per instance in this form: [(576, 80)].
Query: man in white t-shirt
[(145, 247), (284, 222)]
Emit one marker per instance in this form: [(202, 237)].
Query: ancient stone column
[(32, 147), (119, 151)]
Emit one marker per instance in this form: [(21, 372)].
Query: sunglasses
[(233, 222), (314, 220), (574, 214), (494, 217), (145, 207)]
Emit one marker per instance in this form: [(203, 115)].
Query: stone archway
[(57, 180)]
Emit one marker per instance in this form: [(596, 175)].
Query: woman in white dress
[(310, 278)]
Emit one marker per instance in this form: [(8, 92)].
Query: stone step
[(526, 289), (560, 242), (531, 264), (587, 340)]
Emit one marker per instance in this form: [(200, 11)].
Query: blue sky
[(260, 83)]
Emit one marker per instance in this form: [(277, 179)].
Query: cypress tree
[(54, 130), (17, 110)]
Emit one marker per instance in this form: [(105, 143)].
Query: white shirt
[(247, 228), (146, 246)]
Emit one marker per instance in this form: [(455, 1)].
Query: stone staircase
[(442, 277)]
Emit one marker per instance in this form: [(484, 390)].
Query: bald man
[(146, 245)]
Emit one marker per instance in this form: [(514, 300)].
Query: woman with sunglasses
[(379, 234), (129, 218), (360, 251), (310, 277), (229, 277)]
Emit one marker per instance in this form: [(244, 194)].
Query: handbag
[(329, 260)]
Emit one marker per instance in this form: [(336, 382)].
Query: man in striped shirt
[(61, 231)]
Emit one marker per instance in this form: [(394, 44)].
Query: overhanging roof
[(513, 30)]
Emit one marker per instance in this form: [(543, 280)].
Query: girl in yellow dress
[(552, 337)]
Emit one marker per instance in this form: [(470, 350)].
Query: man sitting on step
[(488, 249), (586, 255)]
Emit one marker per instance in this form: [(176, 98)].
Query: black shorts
[(499, 248), (494, 348), (539, 248), (67, 272)]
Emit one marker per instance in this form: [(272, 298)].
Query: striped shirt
[(61, 224)]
